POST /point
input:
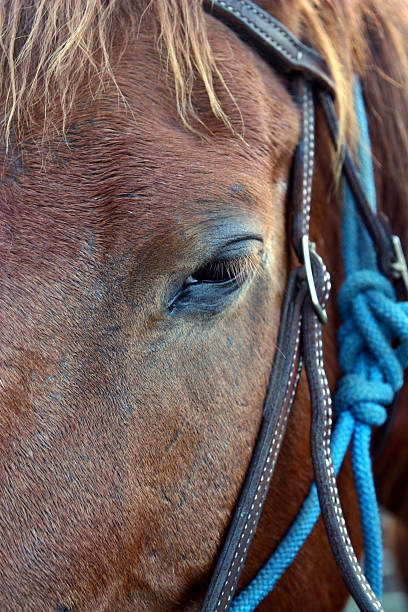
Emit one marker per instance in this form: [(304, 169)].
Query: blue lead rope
[(372, 370), (372, 373)]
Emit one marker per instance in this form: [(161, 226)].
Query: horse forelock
[(48, 49)]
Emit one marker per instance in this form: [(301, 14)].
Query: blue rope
[(372, 372), (288, 548)]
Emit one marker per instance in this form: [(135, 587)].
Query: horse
[(147, 154)]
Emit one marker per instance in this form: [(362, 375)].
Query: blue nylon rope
[(372, 372), (288, 548)]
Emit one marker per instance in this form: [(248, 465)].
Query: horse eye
[(209, 287)]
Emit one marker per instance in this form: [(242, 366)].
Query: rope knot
[(364, 399), (375, 327), (360, 283)]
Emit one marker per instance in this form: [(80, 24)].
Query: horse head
[(147, 163)]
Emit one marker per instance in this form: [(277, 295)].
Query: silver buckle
[(399, 265), (306, 247)]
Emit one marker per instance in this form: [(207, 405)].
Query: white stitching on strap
[(308, 159), (330, 471), (267, 471)]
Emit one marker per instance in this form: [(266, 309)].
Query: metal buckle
[(306, 247), (399, 266)]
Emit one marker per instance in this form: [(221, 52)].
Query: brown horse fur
[(126, 429)]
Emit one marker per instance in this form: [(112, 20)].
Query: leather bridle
[(300, 332)]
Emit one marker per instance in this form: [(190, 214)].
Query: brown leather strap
[(321, 415), (271, 36), (303, 166), (278, 403)]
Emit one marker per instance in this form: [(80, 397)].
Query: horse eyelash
[(239, 268)]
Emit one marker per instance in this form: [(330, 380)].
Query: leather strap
[(278, 403), (303, 166), (320, 433), (271, 36)]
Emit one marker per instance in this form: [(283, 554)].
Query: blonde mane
[(49, 47)]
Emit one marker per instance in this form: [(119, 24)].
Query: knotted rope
[(373, 351)]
